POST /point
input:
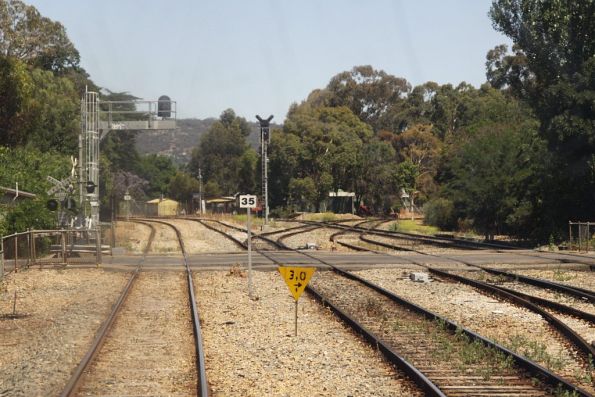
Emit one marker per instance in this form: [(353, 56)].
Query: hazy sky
[(259, 56)]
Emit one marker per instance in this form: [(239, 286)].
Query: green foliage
[(303, 192), (221, 155), (53, 111), (552, 69), (376, 181), (247, 172), (158, 171), (32, 38), (37, 108), (372, 95), (322, 146), (440, 212), (409, 226), (27, 214), (181, 187), (30, 168), (494, 177)]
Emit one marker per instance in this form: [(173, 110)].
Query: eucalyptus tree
[(322, 147), (552, 68), (221, 155)]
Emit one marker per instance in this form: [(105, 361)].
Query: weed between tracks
[(563, 275), (535, 351), (470, 356)]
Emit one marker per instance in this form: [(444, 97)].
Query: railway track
[(141, 349), (506, 374), (538, 305), (453, 242)]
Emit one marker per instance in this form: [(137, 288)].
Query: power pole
[(265, 139)]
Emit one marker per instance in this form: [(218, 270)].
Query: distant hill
[(178, 143)]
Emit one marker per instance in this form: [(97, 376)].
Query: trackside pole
[(296, 316), (249, 253)]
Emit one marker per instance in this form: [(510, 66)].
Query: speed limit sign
[(247, 201)]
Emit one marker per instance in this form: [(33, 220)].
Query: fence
[(580, 236), (53, 247)]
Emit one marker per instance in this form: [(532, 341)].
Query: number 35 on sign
[(247, 201)]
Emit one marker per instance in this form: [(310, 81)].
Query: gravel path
[(150, 349), (63, 310), (251, 351), (517, 328)]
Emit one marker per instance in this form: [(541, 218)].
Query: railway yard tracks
[(143, 346), (442, 357), (151, 343)]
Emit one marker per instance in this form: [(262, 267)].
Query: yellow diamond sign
[(296, 278)]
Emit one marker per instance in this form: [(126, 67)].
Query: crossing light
[(52, 205), (90, 187)]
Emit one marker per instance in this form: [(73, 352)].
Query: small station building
[(162, 207)]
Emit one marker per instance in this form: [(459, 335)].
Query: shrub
[(440, 212)]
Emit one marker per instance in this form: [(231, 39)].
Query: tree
[(247, 172), (370, 94), (158, 171), (285, 154), (221, 153), (36, 40), (29, 167), (37, 108), (553, 70), (53, 113), (15, 89), (494, 179), (182, 186), (376, 182), (422, 149), (323, 144)]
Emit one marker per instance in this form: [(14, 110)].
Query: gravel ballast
[(198, 238), (515, 327), (58, 315), (251, 351), (150, 348)]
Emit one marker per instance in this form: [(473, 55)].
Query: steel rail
[(282, 238), (254, 236), (498, 247), (393, 357), (535, 369), (202, 383), (77, 376), (429, 388), (580, 293), (405, 236), (454, 242), (577, 292), (558, 325), (212, 228)]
